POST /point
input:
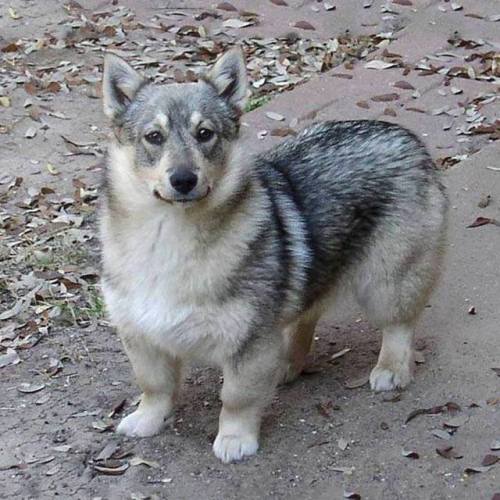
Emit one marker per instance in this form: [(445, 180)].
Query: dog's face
[(180, 134)]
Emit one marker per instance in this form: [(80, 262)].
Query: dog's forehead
[(177, 102)]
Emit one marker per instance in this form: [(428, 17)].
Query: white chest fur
[(165, 283)]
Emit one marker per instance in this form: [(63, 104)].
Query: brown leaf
[(481, 221), (448, 452), (402, 84), (363, 104), (304, 25), (356, 383), (352, 494), (406, 3), (111, 467), (229, 7), (10, 47), (435, 410), (385, 97), (456, 421), (489, 460), (117, 408), (281, 3), (283, 132), (389, 112), (474, 469)]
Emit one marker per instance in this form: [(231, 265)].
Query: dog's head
[(179, 135)]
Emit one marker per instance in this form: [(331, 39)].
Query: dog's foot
[(383, 378), (232, 448), (144, 422)]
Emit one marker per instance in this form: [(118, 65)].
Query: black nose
[(183, 180)]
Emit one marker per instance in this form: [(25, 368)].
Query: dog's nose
[(183, 180)]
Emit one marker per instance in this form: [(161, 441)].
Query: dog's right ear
[(120, 84)]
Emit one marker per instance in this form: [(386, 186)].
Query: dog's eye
[(204, 134), (155, 138)]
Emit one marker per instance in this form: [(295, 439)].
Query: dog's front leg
[(158, 375), (249, 384)]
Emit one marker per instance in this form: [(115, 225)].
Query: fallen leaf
[(304, 25), (363, 104), (111, 467), (4, 101), (108, 451), (237, 23), (13, 14), (391, 397), (419, 357), (410, 454), (30, 133), (328, 6), (456, 421), (474, 469), (9, 358), (441, 434), (367, 4), (406, 3), (117, 408), (385, 97), (142, 461), (389, 112), (356, 383), (340, 353), (30, 388), (283, 132), (275, 116), (281, 3), (481, 221), (229, 7), (343, 444), (472, 310), (401, 84), (495, 445), (448, 452), (489, 460), (435, 410), (352, 494), (456, 6), (378, 64), (52, 169)]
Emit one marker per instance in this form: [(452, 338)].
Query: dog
[(212, 254)]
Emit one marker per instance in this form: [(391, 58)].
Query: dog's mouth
[(185, 199)]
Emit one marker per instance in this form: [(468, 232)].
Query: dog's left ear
[(229, 77)]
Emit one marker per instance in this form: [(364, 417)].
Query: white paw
[(232, 448), (142, 423), (388, 379)]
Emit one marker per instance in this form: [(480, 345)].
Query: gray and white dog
[(215, 255)]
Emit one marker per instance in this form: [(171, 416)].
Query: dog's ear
[(120, 84), (229, 77)]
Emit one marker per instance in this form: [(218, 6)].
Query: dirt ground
[(64, 379)]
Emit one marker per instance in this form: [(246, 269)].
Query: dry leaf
[(448, 452), (4, 101), (111, 467), (435, 410), (363, 104), (474, 469), (26, 388), (495, 445), (304, 25), (410, 454), (401, 84), (352, 494), (456, 421), (489, 460), (328, 6), (439, 433), (51, 169), (343, 444), (236, 23), (281, 3), (30, 133), (456, 6), (406, 3), (385, 97), (275, 116), (142, 461), (9, 358), (390, 112), (340, 353), (377, 64), (356, 383), (482, 221), (226, 6), (13, 14)]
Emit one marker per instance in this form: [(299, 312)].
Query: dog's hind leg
[(298, 338), (393, 285), (158, 375)]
